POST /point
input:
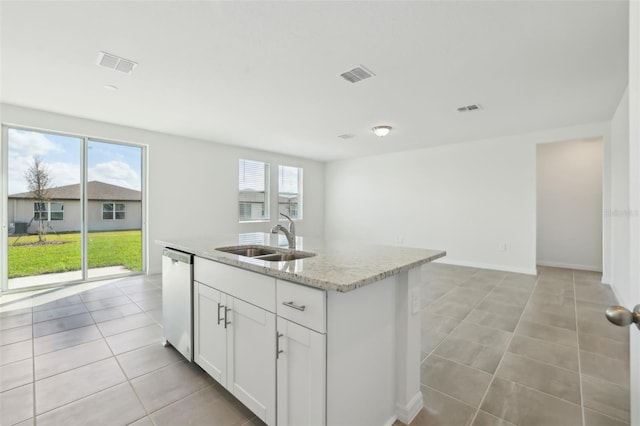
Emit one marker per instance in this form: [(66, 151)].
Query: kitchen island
[(332, 339)]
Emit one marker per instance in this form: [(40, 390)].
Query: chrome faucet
[(290, 233)]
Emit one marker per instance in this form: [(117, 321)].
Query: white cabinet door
[(301, 375), (210, 334), (251, 339)]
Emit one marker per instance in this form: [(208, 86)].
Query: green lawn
[(105, 249)]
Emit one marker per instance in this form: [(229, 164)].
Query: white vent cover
[(347, 136), (357, 74), (474, 107), (116, 63)]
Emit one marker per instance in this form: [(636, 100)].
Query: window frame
[(114, 210), (47, 211), (299, 205), (266, 191)]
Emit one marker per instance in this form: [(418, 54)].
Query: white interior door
[(634, 187)]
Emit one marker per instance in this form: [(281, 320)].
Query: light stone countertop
[(338, 266)]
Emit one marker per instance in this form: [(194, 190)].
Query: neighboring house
[(109, 208), (252, 205)]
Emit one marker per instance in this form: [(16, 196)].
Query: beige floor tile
[(72, 385), (593, 418), (117, 405), (96, 305), (449, 309), (497, 339), (150, 303), (156, 315), (509, 296), (16, 334), (540, 350), (16, 321), (459, 381), (475, 355), (131, 322), (15, 352), (479, 285), (105, 292), (546, 378), (134, 339), (604, 328), (61, 324), (139, 296), (599, 294), (201, 407), (605, 368), (65, 339), (553, 299), (52, 300), (69, 358), (489, 319), (604, 346), (169, 384), (485, 419), (115, 312), (524, 406), (16, 374), (145, 360), (547, 318), (442, 410), (145, 421), (561, 336), (64, 311), (500, 308), (16, 405), (606, 398)]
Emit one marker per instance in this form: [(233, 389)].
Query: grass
[(110, 248)]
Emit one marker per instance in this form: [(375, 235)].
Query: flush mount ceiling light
[(381, 130)]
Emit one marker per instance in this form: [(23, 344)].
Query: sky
[(107, 162)]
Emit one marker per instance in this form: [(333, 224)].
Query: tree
[(39, 182)]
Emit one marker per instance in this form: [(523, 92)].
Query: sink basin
[(250, 251), (266, 253), (285, 257)]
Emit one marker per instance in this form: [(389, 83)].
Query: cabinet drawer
[(303, 305), (251, 287)]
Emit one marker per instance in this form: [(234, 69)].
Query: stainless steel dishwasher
[(177, 300)]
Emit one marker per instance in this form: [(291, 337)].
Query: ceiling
[(266, 74)]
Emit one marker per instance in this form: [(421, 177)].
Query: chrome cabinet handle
[(226, 311), (219, 306), (278, 350), (294, 306)]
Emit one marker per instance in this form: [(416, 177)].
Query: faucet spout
[(289, 233)]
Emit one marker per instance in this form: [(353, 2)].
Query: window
[(253, 190), (48, 211), (111, 211), (290, 191)]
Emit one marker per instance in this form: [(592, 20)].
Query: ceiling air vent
[(116, 63), (357, 74), (474, 107)]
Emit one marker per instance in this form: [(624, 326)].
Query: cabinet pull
[(278, 350), (219, 306), (294, 306), (226, 311)]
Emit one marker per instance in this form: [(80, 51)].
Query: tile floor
[(498, 349)]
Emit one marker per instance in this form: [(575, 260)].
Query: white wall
[(569, 204), (466, 198), (192, 187)]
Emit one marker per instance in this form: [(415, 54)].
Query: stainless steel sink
[(266, 253), (250, 251), (285, 257)]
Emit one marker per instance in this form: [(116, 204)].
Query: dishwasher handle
[(178, 256)]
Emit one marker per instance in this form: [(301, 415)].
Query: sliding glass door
[(74, 209), (114, 208)]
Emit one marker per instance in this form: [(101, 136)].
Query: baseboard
[(449, 261), (570, 266), (407, 413), (606, 280)]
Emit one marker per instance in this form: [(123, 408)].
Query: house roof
[(97, 191)]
